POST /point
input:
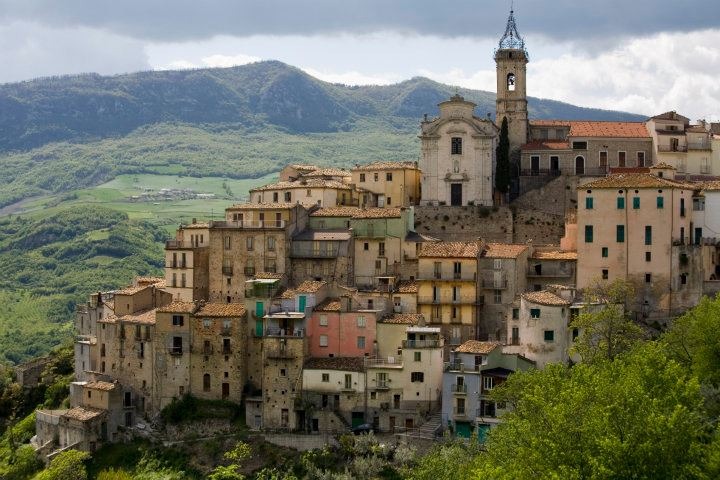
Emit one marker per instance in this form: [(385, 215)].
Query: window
[(417, 356), (362, 177), (283, 372), (648, 235), (620, 233), (389, 201), (381, 249), (588, 233), (378, 264), (515, 337), (325, 377), (497, 297), (640, 159), (488, 383), (183, 280), (588, 203), (417, 377), (456, 146), (682, 207), (206, 382), (497, 264), (534, 313), (515, 313), (603, 158), (323, 321), (660, 202), (620, 203), (361, 322), (621, 159), (605, 252), (648, 278), (207, 322), (308, 192), (275, 197), (360, 342), (455, 294), (636, 203), (366, 246), (271, 244), (249, 244), (376, 177), (579, 145), (288, 197), (605, 274), (683, 278), (323, 340), (511, 81), (227, 242), (648, 256), (177, 320), (388, 176), (549, 335)]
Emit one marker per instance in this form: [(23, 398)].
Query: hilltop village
[(321, 305)]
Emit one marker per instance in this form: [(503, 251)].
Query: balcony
[(460, 412), (175, 350), (421, 343), (277, 332), (540, 172), (495, 283), (702, 145), (176, 265), (248, 224), (549, 273), (179, 245), (458, 389), (384, 362), (672, 148), (461, 367), (280, 353), (593, 172), (227, 271), (300, 251), (462, 299), (382, 386)]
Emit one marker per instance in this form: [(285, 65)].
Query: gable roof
[(386, 166), (476, 346), (347, 364), (635, 180), (504, 250), (543, 297), (586, 128), (221, 310), (449, 250), (404, 319)]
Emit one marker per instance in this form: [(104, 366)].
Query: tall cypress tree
[(502, 155)]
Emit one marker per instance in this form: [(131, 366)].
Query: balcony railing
[(389, 361), (495, 283), (540, 172), (703, 145), (176, 265), (248, 224), (299, 251), (531, 272), (421, 343), (175, 350), (227, 271), (459, 412), (455, 388), (279, 353), (179, 244), (277, 332), (382, 385), (672, 148), (465, 299), (461, 367)]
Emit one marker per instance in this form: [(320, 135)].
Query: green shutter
[(620, 233), (621, 203), (259, 310), (588, 203), (604, 251), (648, 235), (588, 233), (636, 202), (660, 202)]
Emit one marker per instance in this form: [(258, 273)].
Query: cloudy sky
[(644, 56)]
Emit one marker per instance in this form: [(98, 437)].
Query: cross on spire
[(511, 38)]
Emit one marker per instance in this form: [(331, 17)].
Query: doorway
[(579, 165), (456, 194)]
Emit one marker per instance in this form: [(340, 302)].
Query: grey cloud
[(178, 20)]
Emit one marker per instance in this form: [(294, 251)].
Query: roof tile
[(543, 297), (476, 346), (449, 250), (504, 250)]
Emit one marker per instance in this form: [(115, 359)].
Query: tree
[(605, 330), (626, 418), (502, 155), (237, 456), (449, 461)]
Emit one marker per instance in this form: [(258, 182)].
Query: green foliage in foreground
[(47, 265), (67, 465)]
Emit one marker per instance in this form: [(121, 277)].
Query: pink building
[(333, 331)]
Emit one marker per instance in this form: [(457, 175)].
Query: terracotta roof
[(404, 318), (547, 145), (131, 290), (310, 183), (146, 317), (583, 128), (149, 280), (105, 386), (554, 255), (407, 286), (543, 297), (177, 307), (616, 170), (303, 167), (476, 346), (197, 225), (672, 115), (504, 250), (348, 364), (221, 310), (663, 166), (329, 305), (287, 294), (310, 286), (635, 180), (83, 414), (262, 206), (449, 250), (386, 166), (327, 172), (269, 276), (378, 213), (335, 212)]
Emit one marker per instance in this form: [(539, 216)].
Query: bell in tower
[(511, 60)]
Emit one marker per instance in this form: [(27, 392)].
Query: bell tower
[(511, 60)]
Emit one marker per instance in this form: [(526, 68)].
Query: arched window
[(511, 82), (579, 165), (206, 382)]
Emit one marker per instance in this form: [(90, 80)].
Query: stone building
[(688, 148), (550, 265), (307, 192), (186, 262), (458, 156), (327, 255), (639, 227), (392, 184), (447, 289)]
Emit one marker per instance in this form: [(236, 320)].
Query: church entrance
[(456, 194)]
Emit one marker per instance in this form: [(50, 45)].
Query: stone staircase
[(427, 431)]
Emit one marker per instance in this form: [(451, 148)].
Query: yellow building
[(394, 184), (186, 258), (447, 288), (307, 191), (638, 227)]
